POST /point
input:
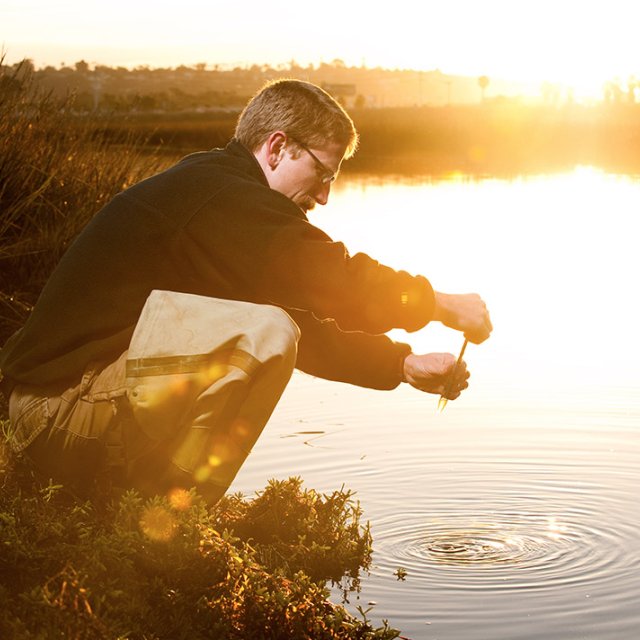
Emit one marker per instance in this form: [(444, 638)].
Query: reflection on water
[(515, 512)]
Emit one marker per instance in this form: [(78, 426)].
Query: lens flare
[(202, 473), (241, 428), (214, 460), (214, 372), (180, 499), (157, 523)]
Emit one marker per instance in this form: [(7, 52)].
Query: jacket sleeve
[(308, 270), (359, 358)]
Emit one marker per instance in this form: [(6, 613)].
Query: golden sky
[(580, 43)]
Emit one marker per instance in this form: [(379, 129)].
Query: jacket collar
[(237, 149)]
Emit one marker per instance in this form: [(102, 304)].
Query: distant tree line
[(205, 87)]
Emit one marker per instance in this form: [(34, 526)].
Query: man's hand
[(465, 312), (430, 373)]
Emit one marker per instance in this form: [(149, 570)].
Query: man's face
[(305, 174)]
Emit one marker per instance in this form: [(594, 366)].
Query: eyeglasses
[(327, 176)]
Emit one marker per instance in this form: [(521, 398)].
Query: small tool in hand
[(442, 403)]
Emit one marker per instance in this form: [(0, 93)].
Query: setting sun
[(576, 46)]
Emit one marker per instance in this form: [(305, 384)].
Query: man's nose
[(322, 195)]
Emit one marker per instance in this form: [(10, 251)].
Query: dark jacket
[(210, 225)]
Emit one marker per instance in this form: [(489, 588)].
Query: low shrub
[(170, 568)]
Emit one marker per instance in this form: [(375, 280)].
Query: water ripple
[(505, 549)]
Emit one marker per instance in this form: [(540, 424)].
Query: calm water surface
[(515, 513)]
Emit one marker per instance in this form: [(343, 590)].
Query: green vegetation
[(169, 568)]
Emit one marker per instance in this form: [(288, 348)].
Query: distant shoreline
[(496, 139)]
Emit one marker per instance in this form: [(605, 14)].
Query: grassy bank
[(170, 569)]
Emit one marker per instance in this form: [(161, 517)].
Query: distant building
[(345, 94)]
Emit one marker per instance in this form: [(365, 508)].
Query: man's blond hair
[(304, 111)]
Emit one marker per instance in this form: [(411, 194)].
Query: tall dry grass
[(56, 170)]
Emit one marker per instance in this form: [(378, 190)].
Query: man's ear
[(276, 144)]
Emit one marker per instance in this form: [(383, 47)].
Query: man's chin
[(307, 205)]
